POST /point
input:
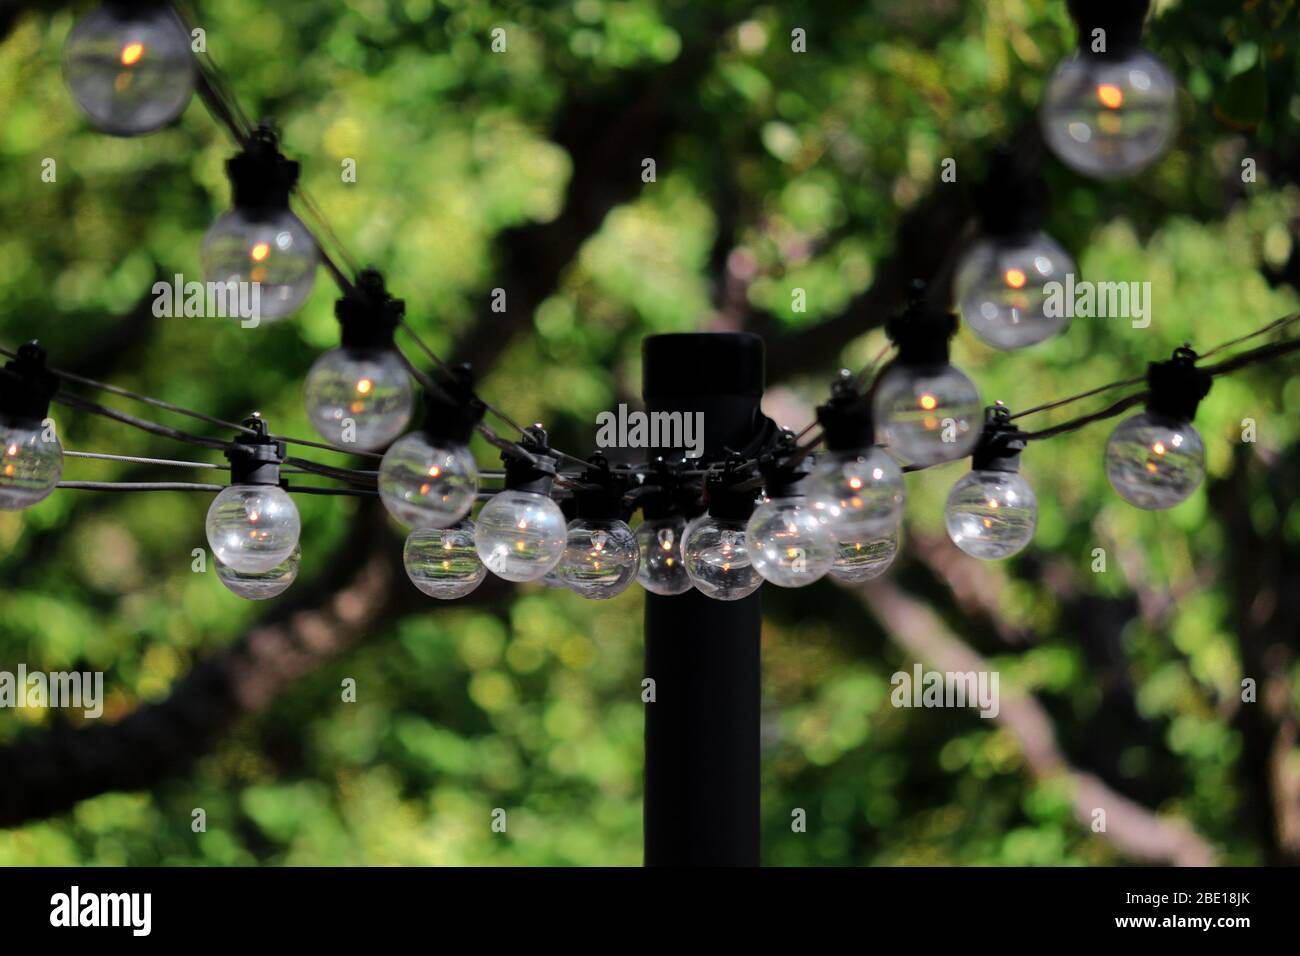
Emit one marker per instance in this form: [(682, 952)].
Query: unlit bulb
[(443, 562), (1000, 289), (1110, 117), (927, 414), (991, 514), (358, 396), (521, 535), (130, 69), (427, 484), (1154, 461), (270, 247)]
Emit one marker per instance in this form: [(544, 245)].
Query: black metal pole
[(702, 730)]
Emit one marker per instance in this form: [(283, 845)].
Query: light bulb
[(862, 558), (442, 562), (358, 395), (521, 535), (268, 246), (600, 557), (788, 543), (991, 514), (130, 69), (30, 466), (926, 414), (717, 559), (1155, 461), (260, 585), (857, 494), (427, 485), (1110, 116), (999, 287), (253, 528), (662, 569)]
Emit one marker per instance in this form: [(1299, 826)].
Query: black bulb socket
[(1011, 199), (921, 331), (1176, 387), (367, 315), (451, 409), (1000, 443), (727, 499), (1121, 20), (27, 387), (599, 491), (845, 420), (536, 475), (255, 459), (261, 178)]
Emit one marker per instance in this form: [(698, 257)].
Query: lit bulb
[(427, 485), (130, 69), (864, 557), (360, 396), (662, 569), (717, 559), (857, 494), (999, 287), (788, 543), (521, 535), (269, 246), (30, 466), (442, 562), (600, 557), (1155, 461), (260, 585), (253, 528), (991, 514), (926, 414), (1107, 116)]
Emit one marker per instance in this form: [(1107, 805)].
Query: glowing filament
[(364, 386), (259, 251), (856, 483), (1159, 448), (1110, 95), (1015, 278), (131, 53), (929, 402)]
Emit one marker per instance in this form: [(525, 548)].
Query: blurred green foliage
[(533, 705)]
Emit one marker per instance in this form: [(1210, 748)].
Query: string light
[(360, 392), (1111, 110), (442, 562), (129, 67), (260, 240), (31, 458), (715, 550), (992, 511), (601, 555), (253, 525), (521, 533), (788, 542)]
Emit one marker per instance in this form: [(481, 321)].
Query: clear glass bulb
[(360, 396), (857, 494), (427, 485), (30, 466), (1110, 117), (927, 414), (260, 585), (991, 514), (788, 543), (442, 562), (270, 247), (999, 288), (1155, 462), (864, 557), (253, 528), (130, 71), (717, 559), (600, 557), (662, 569), (521, 535)]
